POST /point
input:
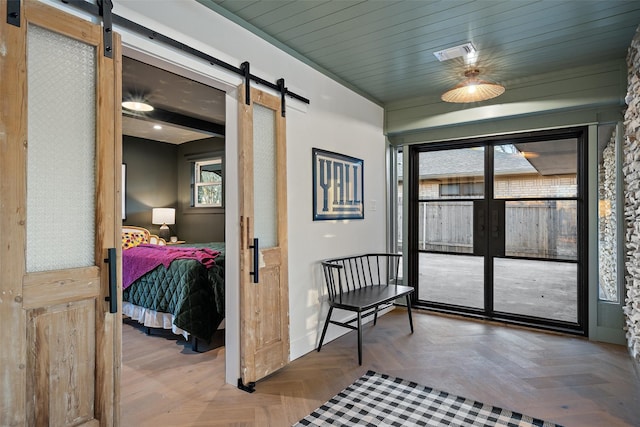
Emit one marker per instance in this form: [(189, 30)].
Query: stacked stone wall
[(608, 243), (631, 170)]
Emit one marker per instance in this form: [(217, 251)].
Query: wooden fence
[(535, 229)]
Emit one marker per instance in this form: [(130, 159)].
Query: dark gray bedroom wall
[(151, 181), (197, 225), (159, 176)]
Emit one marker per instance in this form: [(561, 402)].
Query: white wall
[(336, 120)]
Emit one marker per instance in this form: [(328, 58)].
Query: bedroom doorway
[(175, 158)]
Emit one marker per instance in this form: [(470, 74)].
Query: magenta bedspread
[(139, 260)]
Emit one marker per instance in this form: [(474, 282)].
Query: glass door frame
[(580, 327)]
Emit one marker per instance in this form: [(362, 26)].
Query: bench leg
[(409, 311), (375, 316), (324, 330), (360, 338)]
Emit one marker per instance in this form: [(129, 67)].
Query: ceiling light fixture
[(137, 106), (473, 89)]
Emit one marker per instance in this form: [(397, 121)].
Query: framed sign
[(338, 190)]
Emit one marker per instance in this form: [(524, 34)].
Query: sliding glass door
[(496, 226)]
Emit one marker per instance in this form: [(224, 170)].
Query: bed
[(186, 296)]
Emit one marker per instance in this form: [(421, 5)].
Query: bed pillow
[(132, 238)]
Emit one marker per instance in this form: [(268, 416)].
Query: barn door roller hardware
[(246, 73), (105, 7), (243, 70), (283, 92)]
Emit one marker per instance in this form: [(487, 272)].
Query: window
[(207, 183), (609, 213), (396, 208), (462, 189)]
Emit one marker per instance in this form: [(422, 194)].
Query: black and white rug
[(380, 400)]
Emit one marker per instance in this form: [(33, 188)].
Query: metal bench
[(363, 284)]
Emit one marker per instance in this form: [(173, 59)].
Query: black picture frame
[(338, 186)]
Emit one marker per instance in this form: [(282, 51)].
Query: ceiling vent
[(455, 52)]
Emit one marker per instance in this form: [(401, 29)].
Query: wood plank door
[(59, 214), (264, 295)]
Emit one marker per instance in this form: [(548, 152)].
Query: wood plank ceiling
[(384, 49)]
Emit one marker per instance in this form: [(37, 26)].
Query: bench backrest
[(357, 271)]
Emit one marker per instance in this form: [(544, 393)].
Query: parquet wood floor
[(564, 379)]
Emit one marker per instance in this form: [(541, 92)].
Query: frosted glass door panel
[(264, 176), (61, 152)]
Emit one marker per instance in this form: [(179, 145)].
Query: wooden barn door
[(59, 215), (264, 296)]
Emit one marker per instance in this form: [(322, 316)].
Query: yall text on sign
[(337, 186)]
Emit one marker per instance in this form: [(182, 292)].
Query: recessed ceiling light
[(137, 106), (157, 127)]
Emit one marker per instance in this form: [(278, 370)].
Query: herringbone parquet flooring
[(564, 379)]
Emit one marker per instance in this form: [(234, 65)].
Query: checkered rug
[(380, 400)]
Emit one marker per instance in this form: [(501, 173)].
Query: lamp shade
[(163, 216), (472, 89)]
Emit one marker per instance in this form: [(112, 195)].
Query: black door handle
[(498, 228), (495, 221), (113, 281), (479, 228), (256, 259)]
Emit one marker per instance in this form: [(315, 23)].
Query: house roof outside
[(544, 158), (469, 162)]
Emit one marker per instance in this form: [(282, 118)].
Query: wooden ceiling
[(384, 49)]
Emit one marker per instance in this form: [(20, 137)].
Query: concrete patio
[(546, 289)]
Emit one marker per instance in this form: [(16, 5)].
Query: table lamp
[(166, 217)]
